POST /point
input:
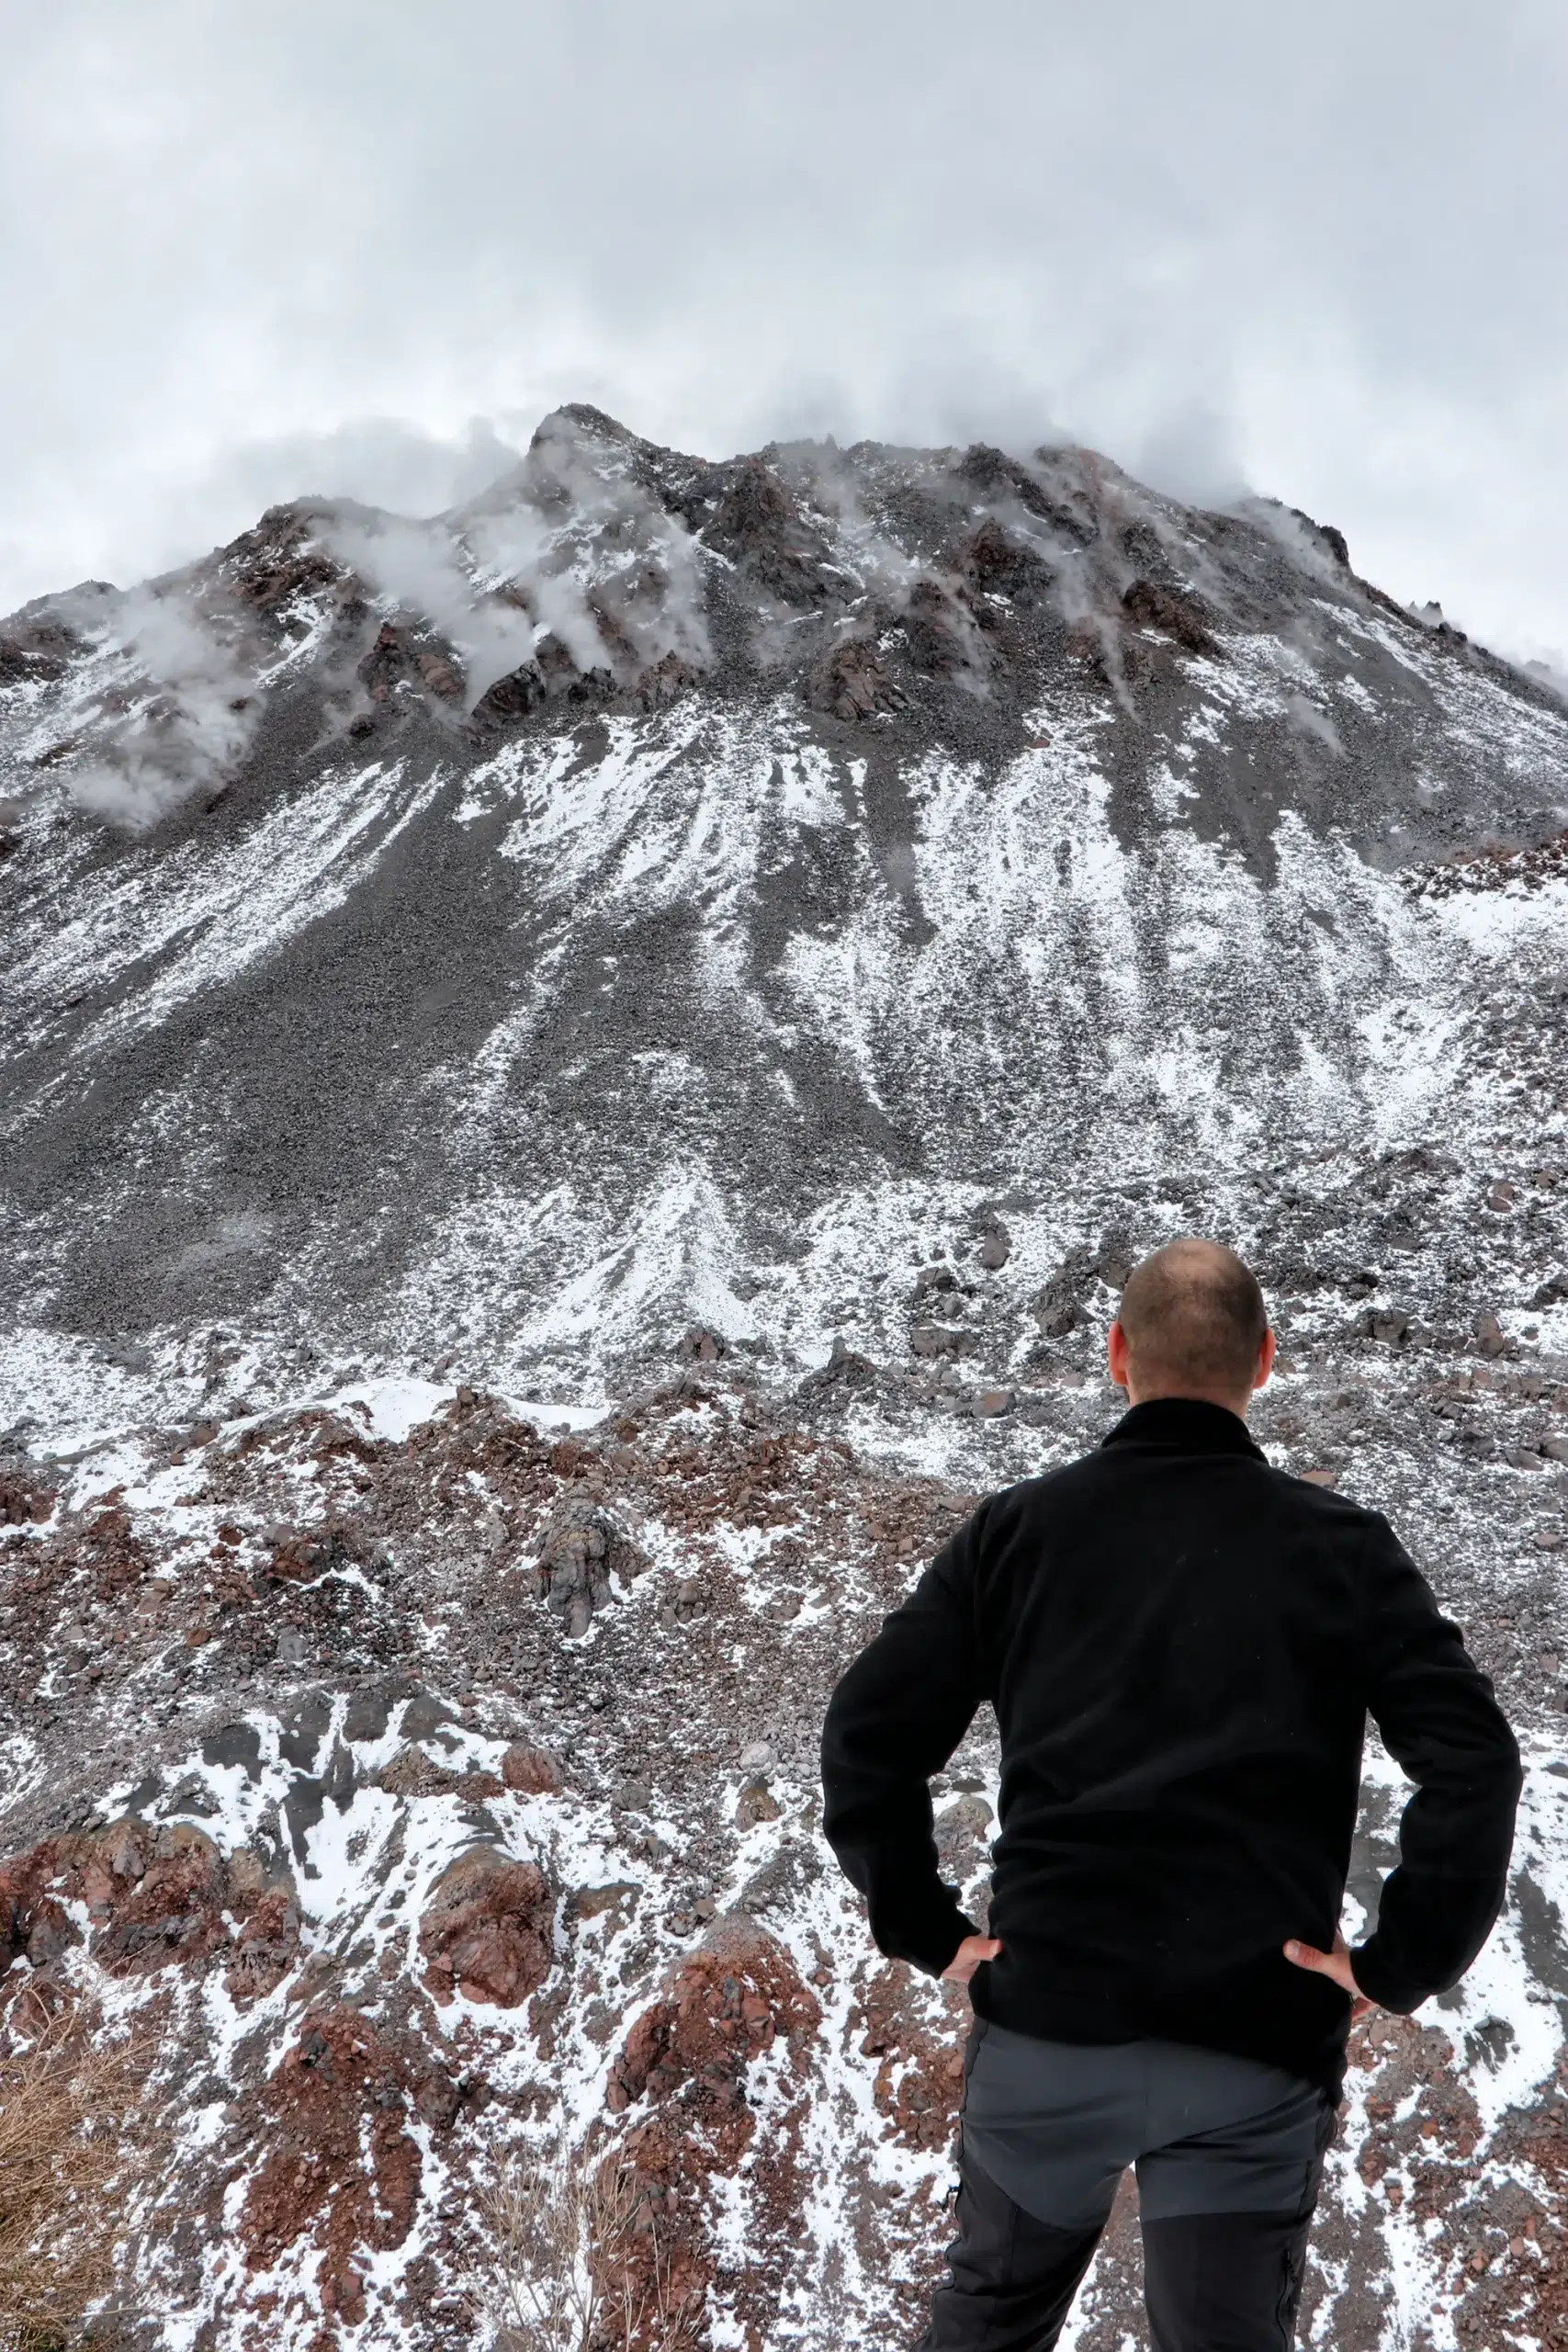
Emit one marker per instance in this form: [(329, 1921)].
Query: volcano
[(578, 1077)]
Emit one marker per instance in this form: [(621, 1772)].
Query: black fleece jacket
[(1182, 1645)]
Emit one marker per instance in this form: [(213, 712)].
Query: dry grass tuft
[(65, 2107), (560, 2276)]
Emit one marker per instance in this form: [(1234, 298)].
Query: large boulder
[(582, 1547), (488, 1929)]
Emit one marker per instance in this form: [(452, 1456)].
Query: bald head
[(1191, 1323)]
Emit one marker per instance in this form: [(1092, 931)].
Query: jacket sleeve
[(894, 1720), (1443, 1727)]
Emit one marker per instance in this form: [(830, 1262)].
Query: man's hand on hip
[(1334, 1963), (969, 1957)]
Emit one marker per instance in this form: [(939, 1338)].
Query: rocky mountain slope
[(577, 1077)]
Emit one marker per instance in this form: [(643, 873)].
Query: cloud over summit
[(1314, 249)]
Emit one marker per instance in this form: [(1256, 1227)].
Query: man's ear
[(1116, 1355), (1264, 1360)]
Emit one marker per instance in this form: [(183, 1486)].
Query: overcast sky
[(359, 244)]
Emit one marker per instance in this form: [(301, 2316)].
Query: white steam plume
[(193, 710), (497, 578)]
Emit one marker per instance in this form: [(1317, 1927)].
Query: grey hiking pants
[(1228, 2155)]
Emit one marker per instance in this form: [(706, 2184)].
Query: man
[(1182, 1645)]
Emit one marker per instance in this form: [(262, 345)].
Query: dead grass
[(560, 2276), (65, 2105)]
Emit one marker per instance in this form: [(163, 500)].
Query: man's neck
[(1189, 1397)]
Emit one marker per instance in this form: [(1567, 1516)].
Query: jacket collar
[(1184, 1425)]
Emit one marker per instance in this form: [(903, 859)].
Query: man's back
[(1181, 1646)]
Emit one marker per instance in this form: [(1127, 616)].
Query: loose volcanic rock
[(342, 2170), (991, 1403), (758, 523), (266, 1947), (852, 682), (941, 1340), (684, 2071), (996, 1249), (412, 1773), (725, 2006), (916, 2035), (846, 1369), (755, 1802), (1173, 613), (22, 1502)]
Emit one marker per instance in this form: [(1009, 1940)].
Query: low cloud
[(381, 461), (1193, 455)]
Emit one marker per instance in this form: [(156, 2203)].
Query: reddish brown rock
[(34, 1923), (112, 1552), (755, 1802), (726, 2004), (997, 563), (440, 675), (759, 526), (512, 697), (154, 1898), (687, 2057), (531, 1770), (853, 681), (386, 663), (111, 1862), (1489, 1336), (412, 1773), (487, 1930), (174, 1911), (1171, 613), (277, 562), (341, 2168), (940, 627), (664, 682)]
